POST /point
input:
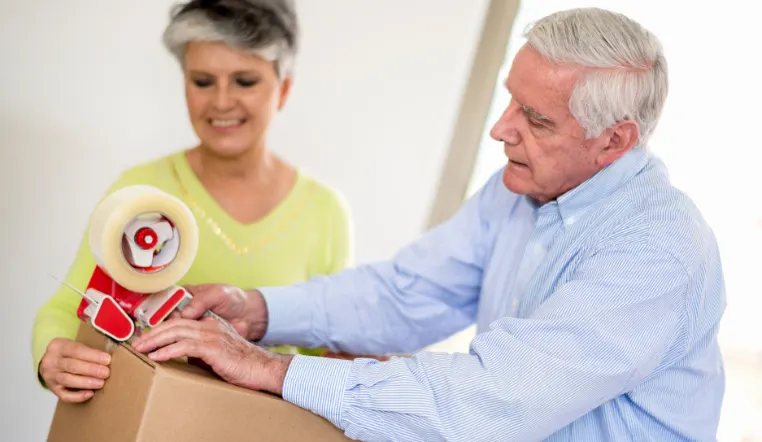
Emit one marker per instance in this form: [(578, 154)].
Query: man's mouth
[(519, 164), (227, 123)]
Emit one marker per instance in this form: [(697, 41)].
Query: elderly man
[(596, 286)]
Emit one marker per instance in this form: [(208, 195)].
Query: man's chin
[(513, 183)]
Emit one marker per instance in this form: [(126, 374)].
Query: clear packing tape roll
[(111, 221)]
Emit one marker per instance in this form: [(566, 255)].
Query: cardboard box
[(174, 401)]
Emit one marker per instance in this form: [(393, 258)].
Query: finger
[(191, 349), (197, 288), (240, 326), (213, 323), (73, 396), (73, 381), (204, 297), (380, 358), (344, 356), (337, 355), (78, 350), (84, 368), (175, 315), (165, 325), (169, 333)]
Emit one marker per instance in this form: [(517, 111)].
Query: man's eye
[(202, 82), (535, 123), (245, 82)]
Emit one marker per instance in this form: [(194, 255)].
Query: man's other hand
[(246, 311), (232, 357)]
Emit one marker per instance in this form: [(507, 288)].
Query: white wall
[(86, 90)]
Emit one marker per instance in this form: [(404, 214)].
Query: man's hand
[(232, 357), (246, 311), (72, 370)]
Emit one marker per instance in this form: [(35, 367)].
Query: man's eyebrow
[(531, 112), (535, 115)]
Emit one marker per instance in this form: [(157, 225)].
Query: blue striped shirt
[(597, 318)]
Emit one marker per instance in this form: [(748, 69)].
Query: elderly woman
[(261, 220)]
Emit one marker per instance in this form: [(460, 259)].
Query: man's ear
[(285, 89), (621, 138)]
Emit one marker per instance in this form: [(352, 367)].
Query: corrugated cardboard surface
[(113, 414), (174, 401)]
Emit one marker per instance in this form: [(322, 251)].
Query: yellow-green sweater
[(309, 233)]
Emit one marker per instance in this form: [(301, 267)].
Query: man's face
[(546, 146)]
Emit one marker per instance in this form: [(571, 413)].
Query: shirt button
[(571, 220)]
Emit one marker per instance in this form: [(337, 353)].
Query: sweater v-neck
[(294, 201)]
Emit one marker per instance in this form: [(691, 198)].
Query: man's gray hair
[(267, 28), (627, 79)]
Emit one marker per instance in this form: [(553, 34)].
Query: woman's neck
[(256, 167), (248, 186)]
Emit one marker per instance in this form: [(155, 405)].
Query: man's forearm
[(368, 310), (275, 371), (276, 368), (428, 291), (432, 396), (519, 379)]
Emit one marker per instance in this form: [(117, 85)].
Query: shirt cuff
[(318, 384), (288, 321)]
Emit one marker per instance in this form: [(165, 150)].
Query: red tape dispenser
[(143, 240)]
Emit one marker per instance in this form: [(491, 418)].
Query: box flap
[(138, 355), (115, 412), (176, 401), (95, 339), (190, 405)]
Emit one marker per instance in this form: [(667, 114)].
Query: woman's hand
[(246, 311), (72, 370), (220, 347)]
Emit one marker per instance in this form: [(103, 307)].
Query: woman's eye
[(245, 82), (202, 82)]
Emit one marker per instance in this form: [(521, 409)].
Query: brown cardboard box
[(167, 402)]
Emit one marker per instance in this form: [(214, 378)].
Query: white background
[(86, 90)]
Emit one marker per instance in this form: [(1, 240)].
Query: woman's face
[(232, 96)]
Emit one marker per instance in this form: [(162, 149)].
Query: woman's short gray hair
[(267, 28), (628, 71)]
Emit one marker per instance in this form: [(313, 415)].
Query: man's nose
[(505, 128)]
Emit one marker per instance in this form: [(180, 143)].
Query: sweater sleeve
[(341, 237), (57, 317), (335, 251)]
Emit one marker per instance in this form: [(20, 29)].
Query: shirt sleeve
[(619, 319), (425, 294)]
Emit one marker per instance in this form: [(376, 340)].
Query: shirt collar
[(575, 202)]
